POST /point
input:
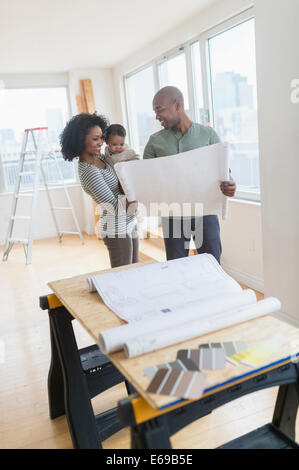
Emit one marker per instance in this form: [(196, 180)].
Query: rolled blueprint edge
[(187, 331), (113, 340)]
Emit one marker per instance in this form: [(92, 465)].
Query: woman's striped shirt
[(103, 186)]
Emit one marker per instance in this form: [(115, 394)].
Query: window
[(29, 108), (172, 71), (216, 73), (142, 123), (233, 100)]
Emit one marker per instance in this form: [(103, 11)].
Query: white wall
[(24, 80), (241, 236), (103, 88), (277, 39)]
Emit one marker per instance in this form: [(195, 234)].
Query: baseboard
[(286, 318), (248, 279), (89, 229)]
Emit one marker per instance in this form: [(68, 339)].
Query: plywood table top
[(91, 312), (88, 307)]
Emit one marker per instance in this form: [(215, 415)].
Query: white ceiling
[(59, 35)]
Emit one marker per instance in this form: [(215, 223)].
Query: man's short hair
[(172, 92)]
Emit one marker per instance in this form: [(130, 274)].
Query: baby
[(116, 149)]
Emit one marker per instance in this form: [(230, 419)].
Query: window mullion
[(2, 181), (157, 84), (205, 81), (190, 81), (127, 111)]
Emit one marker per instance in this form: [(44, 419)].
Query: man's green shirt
[(167, 142)]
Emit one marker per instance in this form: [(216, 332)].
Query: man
[(180, 134)]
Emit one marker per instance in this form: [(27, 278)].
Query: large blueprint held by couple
[(170, 302), (190, 178)]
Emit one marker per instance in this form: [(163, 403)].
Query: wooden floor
[(25, 356)]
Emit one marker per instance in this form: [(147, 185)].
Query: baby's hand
[(132, 207)]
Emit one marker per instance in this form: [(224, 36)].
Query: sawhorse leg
[(286, 408), (55, 379), (153, 434), (68, 390)]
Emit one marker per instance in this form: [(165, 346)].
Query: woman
[(83, 138)]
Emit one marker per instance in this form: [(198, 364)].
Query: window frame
[(126, 93), (155, 64), (183, 48), (3, 189), (203, 39), (231, 23)]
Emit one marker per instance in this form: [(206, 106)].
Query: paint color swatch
[(259, 354), (180, 364), (178, 383), (190, 354), (212, 356), (231, 348)]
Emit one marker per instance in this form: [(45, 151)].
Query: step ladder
[(41, 149)]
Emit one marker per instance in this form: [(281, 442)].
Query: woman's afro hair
[(72, 138)]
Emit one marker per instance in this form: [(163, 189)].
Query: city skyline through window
[(142, 121), (234, 100), (29, 108)]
